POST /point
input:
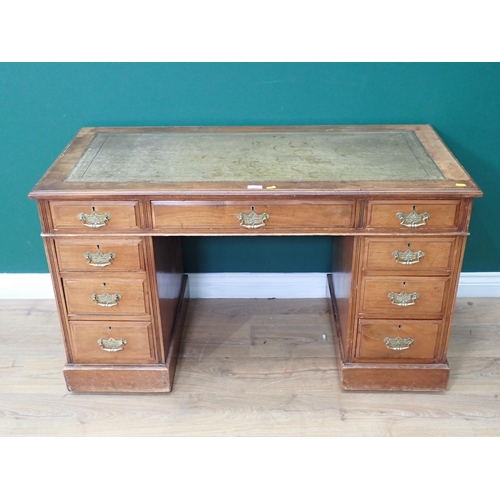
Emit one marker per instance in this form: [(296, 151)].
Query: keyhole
[(404, 283), (399, 327), (414, 207), (104, 285), (99, 248), (109, 328), (408, 245)]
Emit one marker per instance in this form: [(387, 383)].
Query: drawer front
[(100, 342), (408, 254), (398, 341), (95, 255), (112, 297), (413, 215), (95, 216), (403, 298), (226, 216)]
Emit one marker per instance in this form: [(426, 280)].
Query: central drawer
[(106, 296), (239, 217)]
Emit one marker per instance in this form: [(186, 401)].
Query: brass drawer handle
[(99, 259), (398, 344), (408, 257), (112, 345), (403, 299), (413, 219), (106, 299), (252, 220), (94, 219)]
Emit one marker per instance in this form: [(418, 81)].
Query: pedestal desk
[(116, 203)]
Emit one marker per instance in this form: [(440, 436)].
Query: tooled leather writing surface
[(385, 155)]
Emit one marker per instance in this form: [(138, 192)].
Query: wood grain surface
[(247, 368)]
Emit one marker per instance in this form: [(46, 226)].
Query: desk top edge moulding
[(117, 201)]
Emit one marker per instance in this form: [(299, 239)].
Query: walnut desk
[(115, 204)]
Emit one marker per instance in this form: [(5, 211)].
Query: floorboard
[(247, 368)]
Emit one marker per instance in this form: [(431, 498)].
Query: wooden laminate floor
[(247, 368)]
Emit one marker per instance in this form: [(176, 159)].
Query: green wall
[(42, 106)]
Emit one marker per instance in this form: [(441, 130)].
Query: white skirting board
[(243, 285)]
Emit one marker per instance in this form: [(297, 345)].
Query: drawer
[(226, 215), (408, 254), (411, 297), (398, 341), (111, 297), (97, 254), (413, 215), (100, 342), (95, 216)]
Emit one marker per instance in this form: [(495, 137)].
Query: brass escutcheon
[(112, 345), (252, 220), (408, 257), (106, 299), (94, 219), (403, 299), (413, 219), (398, 343)]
